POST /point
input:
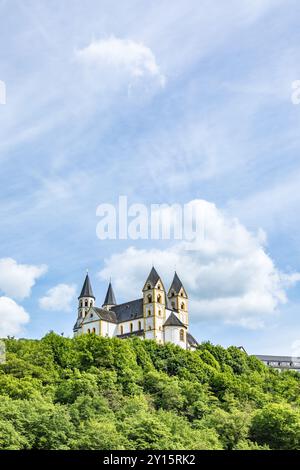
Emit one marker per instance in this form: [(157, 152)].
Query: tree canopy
[(91, 392)]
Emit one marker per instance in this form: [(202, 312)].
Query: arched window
[(140, 325), (181, 335), (149, 313), (182, 306), (89, 330), (149, 327), (131, 327), (172, 293), (122, 329), (86, 304), (159, 298), (149, 299), (159, 312), (148, 286), (94, 330), (158, 287), (80, 303), (91, 303)]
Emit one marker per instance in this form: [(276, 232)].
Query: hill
[(100, 393)]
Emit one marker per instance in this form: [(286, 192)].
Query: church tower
[(154, 307), (86, 298), (179, 300), (110, 299)]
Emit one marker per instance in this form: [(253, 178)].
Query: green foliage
[(99, 393)]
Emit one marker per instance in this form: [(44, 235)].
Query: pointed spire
[(176, 284), (153, 277), (110, 298), (87, 290)]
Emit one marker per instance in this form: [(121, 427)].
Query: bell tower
[(179, 300), (154, 306), (86, 298)]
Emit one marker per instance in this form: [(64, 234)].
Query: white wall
[(172, 335)]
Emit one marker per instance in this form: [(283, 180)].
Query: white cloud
[(12, 317), (16, 280), (58, 298), (228, 274), (131, 58)]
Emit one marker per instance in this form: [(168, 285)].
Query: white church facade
[(158, 315)]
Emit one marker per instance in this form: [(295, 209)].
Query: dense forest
[(100, 393)]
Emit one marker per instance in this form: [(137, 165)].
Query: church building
[(157, 315)]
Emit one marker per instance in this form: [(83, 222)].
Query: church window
[(88, 330), (122, 329), (91, 303), (86, 304), (148, 286), (159, 298), (94, 330), (182, 306), (131, 327), (181, 335), (159, 312), (81, 305), (158, 287), (149, 299), (149, 313), (140, 325), (172, 294), (149, 327), (173, 304)]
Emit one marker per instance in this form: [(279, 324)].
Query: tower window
[(131, 327), (80, 303), (172, 294), (91, 303), (121, 329), (149, 299), (181, 335), (140, 325), (88, 331), (86, 304), (158, 287), (182, 306), (173, 304), (149, 313), (148, 286), (94, 330), (149, 327), (159, 298), (159, 312)]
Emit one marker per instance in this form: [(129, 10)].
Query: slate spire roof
[(110, 298), (87, 290), (173, 320), (176, 284), (153, 276)]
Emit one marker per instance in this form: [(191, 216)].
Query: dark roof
[(129, 310), (191, 340), (277, 358), (173, 320), (106, 315), (86, 290), (176, 284), (134, 333), (153, 277), (110, 298)]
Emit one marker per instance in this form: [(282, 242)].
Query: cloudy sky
[(164, 102)]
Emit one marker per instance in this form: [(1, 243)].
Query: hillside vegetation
[(101, 393)]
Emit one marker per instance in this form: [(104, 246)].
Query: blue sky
[(165, 102)]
